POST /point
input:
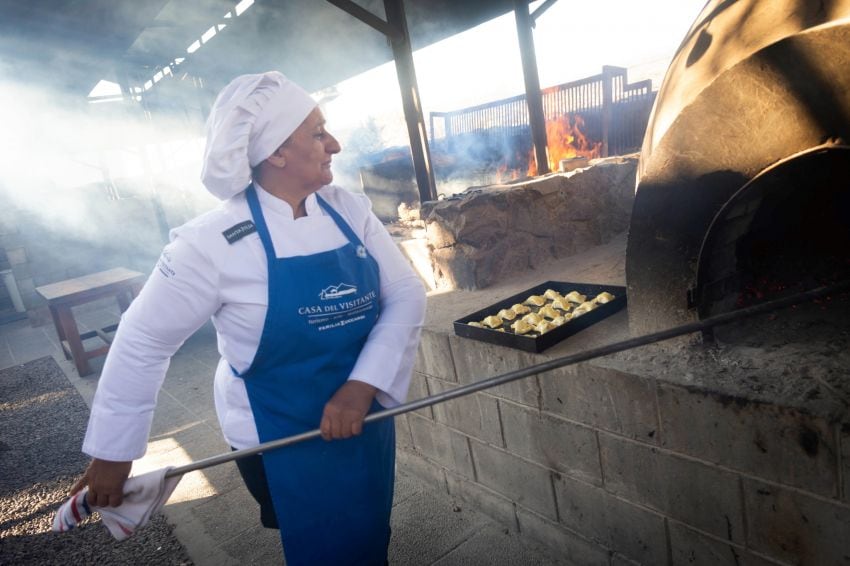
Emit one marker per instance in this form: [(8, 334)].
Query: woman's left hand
[(344, 413)]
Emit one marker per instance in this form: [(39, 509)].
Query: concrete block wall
[(611, 468)]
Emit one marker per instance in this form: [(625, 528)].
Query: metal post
[(532, 85), (403, 55), (607, 101)]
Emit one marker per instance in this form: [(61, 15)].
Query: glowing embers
[(783, 232)]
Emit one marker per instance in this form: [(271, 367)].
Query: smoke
[(54, 144), (85, 187)]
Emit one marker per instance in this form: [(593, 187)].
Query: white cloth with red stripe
[(144, 495)]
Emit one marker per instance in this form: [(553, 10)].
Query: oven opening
[(785, 231)]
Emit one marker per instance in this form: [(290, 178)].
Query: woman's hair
[(255, 170)]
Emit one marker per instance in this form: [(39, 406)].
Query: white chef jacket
[(200, 275)]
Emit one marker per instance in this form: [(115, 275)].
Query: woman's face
[(308, 153)]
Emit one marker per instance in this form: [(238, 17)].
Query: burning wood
[(566, 144), (565, 140)]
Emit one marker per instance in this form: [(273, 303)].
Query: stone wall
[(486, 234), (607, 467)]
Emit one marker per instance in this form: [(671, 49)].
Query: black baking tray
[(538, 343)]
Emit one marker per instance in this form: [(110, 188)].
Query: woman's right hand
[(106, 482)]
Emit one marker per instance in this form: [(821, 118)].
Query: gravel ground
[(42, 422)]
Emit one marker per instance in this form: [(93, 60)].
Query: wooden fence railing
[(615, 113)]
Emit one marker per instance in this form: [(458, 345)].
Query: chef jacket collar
[(280, 206)]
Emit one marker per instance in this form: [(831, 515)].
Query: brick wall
[(611, 468)]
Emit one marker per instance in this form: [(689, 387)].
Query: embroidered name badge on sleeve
[(164, 265), (239, 231)]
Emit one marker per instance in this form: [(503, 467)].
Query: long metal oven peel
[(590, 354)]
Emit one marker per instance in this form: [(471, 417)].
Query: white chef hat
[(251, 117)]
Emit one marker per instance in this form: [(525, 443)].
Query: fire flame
[(565, 140), (503, 173)]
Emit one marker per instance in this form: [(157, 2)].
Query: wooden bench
[(123, 284)]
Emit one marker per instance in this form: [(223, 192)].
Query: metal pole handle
[(529, 371)]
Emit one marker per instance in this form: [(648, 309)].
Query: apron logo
[(361, 252), (337, 291)]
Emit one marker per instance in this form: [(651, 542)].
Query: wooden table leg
[(59, 331), (124, 299), (72, 336)]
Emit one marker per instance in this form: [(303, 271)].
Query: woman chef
[(318, 317)]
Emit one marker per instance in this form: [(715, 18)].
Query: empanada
[(603, 297), (575, 297), (548, 312), (532, 318), (521, 327), (543, 327), (562, 303), (507, 314), (492, 321), (520, 309), (552, 294), (535, 300), (579, 311), (587, 306)]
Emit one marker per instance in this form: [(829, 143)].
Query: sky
[(573, 39)]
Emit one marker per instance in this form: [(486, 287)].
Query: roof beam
[(395, 29), (533, 96), (411, 103), (540, 9), (368, 18)]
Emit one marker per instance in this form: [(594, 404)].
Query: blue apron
[(332, 499)]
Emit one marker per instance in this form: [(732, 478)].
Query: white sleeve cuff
[(386, 360), (126, 436), (372, 368)]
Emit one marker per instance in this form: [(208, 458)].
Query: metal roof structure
[(73, 44)]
